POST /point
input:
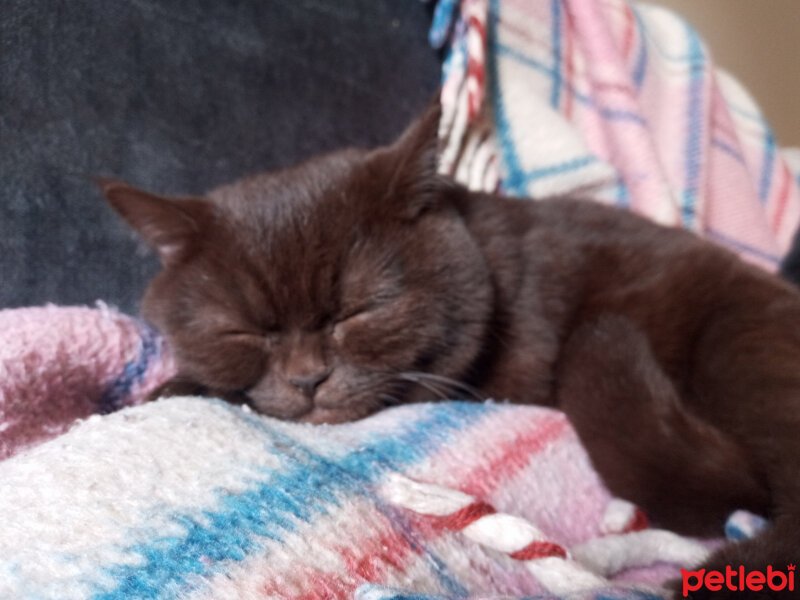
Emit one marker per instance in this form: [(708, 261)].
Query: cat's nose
[(308, 384)]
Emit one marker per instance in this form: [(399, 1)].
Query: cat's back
[(633, 265), (601, 245), (589, 259)]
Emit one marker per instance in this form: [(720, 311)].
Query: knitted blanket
[(194, 498), (191, 498), (617, 102), (60, 364)]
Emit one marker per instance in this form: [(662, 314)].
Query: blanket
[(59, 364), (191, 498), (617, 102)]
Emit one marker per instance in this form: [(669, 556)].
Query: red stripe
[(475, 68), (460, 519), (371, 559), (613, 87), (627, 40), (515, 454), (324, 587), (536, 550), (476, 24), (315, 585), (638, 522)]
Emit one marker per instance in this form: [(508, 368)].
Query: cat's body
[(326, 292)]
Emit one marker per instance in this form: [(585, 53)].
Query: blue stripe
[(513, 183), (734, 533), (400, 520), (766, 168), (526, 60), (447, 64), (608, 113), (640, 68), (304, 488), (559, 169), (662, 52), (694, 127), (741, 246), (728, 149), (555, 93), (442, 22), (623, 198), (516, 180), (748, 115), (134, 372), (613, 114)]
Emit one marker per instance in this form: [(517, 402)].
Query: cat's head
[(320, 292)]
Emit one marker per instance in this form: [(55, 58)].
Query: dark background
[(178, 96)]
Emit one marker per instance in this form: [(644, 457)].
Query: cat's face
[(319, 293)]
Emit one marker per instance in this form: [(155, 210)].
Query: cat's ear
[(414, 161), (170, 226)]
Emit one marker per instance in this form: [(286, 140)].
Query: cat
[(362, 279)]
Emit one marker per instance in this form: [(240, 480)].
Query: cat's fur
[(325, 292)]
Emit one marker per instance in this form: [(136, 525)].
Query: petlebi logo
[(739, 580)]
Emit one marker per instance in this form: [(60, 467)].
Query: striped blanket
[(617, 102), (191, 498), (196, 499)]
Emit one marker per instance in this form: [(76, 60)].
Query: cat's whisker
[(389, 400), (442, 387), (459, 385), (436, 391), (382, 393), (452, 384)]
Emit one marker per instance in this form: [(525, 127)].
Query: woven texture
[(195, 498), (59, 364), (190, 498), (616, 102)]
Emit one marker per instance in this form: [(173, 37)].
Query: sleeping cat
[(362, 279)]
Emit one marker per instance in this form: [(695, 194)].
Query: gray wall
[(178, 96)]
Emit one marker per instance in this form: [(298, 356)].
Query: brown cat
[(363, 279)]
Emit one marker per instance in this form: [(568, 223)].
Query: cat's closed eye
[(260, 338), (353, 313), (349, 319), (366, 305)]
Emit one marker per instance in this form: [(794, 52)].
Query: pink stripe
[(783, 196), (514, 455), (627, 40), (569, 66), (369, 558), (388, 546)]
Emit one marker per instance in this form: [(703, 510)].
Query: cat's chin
[(331, 416), (289, 407)]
